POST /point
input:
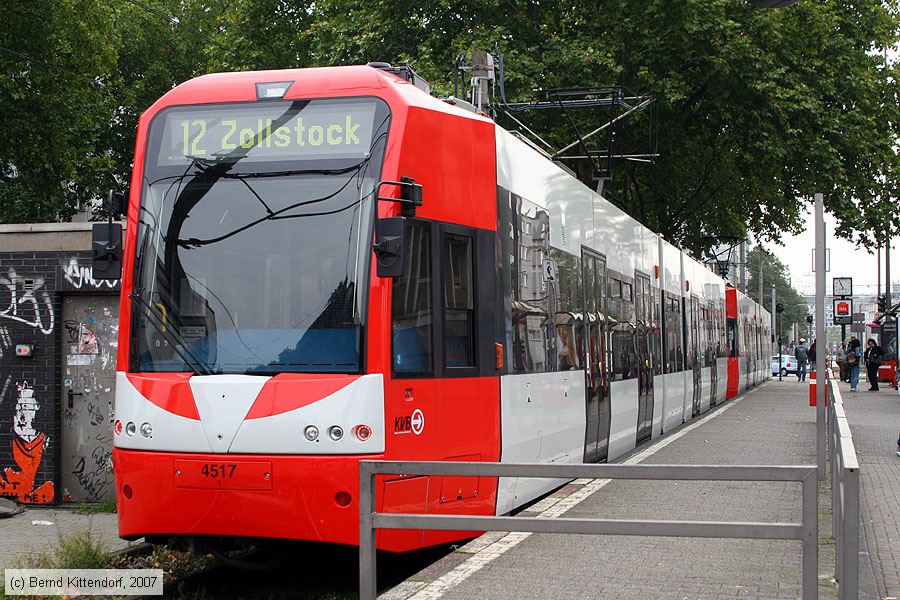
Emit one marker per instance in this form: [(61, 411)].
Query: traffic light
[(882, 303), (809, 319), (779, 308)]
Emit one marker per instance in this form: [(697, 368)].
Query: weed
[(105, 507)]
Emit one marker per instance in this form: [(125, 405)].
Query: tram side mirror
[(118, 205), (389, 243), (106, 247)]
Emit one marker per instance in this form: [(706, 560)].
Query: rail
[(370, 520), (844, 495)]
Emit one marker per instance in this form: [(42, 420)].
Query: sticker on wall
[(80, 360), (28, 447), (87, 341)]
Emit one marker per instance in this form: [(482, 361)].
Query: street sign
[(549, 268), (842, 286), (857, 327), (859, 317), (842, 312)]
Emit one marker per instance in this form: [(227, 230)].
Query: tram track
[(308, 571)]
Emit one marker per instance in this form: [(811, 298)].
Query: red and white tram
[(261, 355)]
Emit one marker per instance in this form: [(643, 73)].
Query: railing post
[(810, 535), (849, 584), (367, 558)]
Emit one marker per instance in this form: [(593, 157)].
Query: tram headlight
[(146, 430), (335, 432), (130, 429), (311, 433)]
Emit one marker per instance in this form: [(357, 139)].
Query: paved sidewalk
[(770, 425), (875, 423), (19, 536)]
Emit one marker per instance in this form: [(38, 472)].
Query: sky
[(846, 259)]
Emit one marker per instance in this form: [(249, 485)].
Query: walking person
[(854, 357), (802, 355), (843, 367), (872, 358)]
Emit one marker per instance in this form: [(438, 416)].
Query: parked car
[(788, 364)]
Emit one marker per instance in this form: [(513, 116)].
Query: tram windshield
[(254, 237)]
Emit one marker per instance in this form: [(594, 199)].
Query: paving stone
[(875, 423), (771, 425)]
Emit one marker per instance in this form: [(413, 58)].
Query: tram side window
[(530, 296), (731, 337), (723, 336), (459, 304), (565, 332), (704, 336), (656, 333), (673, 335), (411, 306), (622, 331)]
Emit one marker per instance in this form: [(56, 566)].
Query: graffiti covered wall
[(32, 287)]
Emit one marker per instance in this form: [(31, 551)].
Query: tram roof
[(316, 82)]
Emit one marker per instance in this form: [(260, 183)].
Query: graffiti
[(72, 330), (5, 387), (79, 276), (96, 416), (96, 476), (24, 300), (28, 447), (5, 340)]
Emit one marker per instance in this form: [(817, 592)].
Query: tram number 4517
[(217, 471)]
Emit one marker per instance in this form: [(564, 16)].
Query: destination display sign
[(269, 131)]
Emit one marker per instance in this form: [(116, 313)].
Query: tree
[(758, 109), (775, 273), (54, 105)]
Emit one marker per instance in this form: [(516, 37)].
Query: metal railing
[(844, 496), (370, 520)]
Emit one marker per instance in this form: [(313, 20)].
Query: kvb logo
[(414, 423)]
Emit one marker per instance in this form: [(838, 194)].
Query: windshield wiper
[(277, 214), (178, 343)]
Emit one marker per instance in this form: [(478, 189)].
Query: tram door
[(645, 368), (596, 439), (697, 367), (712, 335)]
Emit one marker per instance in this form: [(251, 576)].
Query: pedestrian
[(872, 358), (843, 367), (854, 356), (811, 355), (802, 355)]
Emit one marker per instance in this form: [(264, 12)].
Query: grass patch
[(105, 507), (76, 551)]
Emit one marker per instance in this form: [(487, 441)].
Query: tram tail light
[(117, 428), (498, 356), (362, 432)]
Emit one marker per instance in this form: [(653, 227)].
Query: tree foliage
[(775, 273), (758, 109)]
